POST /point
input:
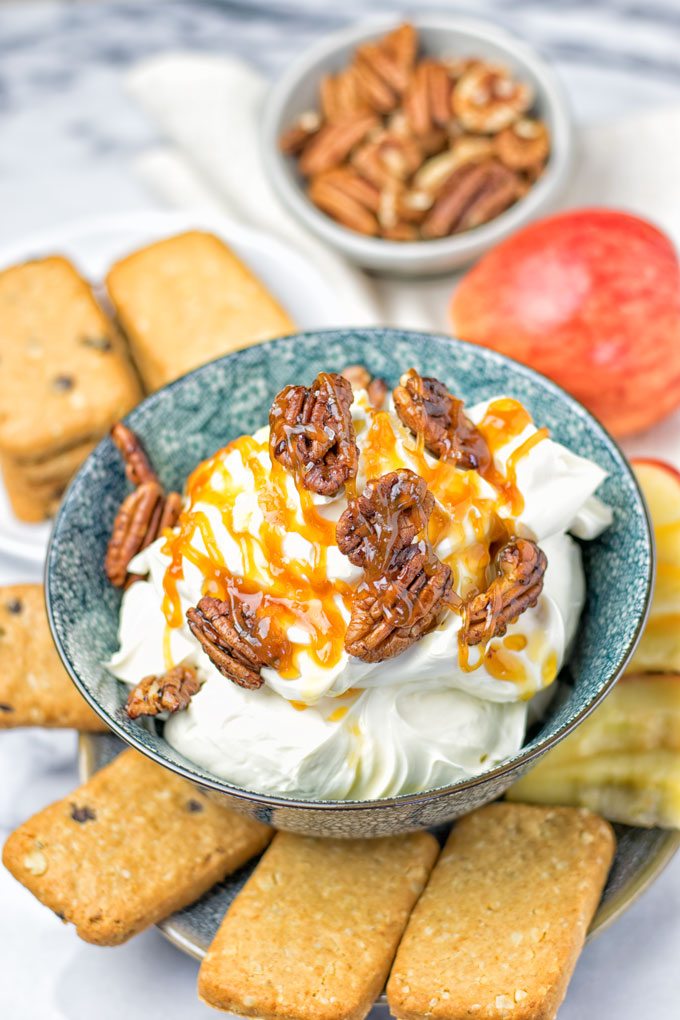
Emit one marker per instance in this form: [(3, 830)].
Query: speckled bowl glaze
[(188, 420)]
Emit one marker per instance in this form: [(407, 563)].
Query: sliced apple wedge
[(660, 483), (659, 648), (642, 713), (641, 788), (668, 543)]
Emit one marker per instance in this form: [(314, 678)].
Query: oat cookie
[(498, 930), (66, 376), (186, 300), (312, 934), (35, 689), (127, 848)]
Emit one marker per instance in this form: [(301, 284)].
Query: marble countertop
[(69, 139)]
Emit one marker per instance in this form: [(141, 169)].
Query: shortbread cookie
[(30, 503), (127, 848), (186, 300), (498, 930), (35, 689), (58, 467), (66, 376), (313, 932)]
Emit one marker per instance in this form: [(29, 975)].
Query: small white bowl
[(440, 35)]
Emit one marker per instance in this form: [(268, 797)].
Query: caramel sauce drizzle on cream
[(298, 592)]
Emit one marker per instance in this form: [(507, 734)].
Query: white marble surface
[(68, 139)]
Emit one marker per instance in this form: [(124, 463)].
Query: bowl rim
[(470, 241), (523, 757)]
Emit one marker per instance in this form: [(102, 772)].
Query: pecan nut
[(143, 515), (347, 198), (520, 567), (473, 194), (293, 141), (486, 99), (392, 613), (360, 378), (426, 407), (333, 143), (312, 435), (227, 632), (524, 145), (137, 466), (384, 519), (169, 692)]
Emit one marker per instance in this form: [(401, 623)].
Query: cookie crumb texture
[(125, 850), (312, 934), (501, 924), (35, 689)]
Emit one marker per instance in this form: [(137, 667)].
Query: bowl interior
[(298, 91), (188, 420)]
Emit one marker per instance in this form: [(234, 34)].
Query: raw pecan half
[(520, 567), (169, 692), (391, 614), (427, 408), (384, 519), (226, 631), (137, 466), (312, 435), (474, 193)]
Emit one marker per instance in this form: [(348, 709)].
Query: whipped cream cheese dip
[(326, 725)]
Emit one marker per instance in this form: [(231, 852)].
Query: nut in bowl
[(368, 669), (414, 148)]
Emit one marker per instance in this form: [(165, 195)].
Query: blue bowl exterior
[(188, 420)]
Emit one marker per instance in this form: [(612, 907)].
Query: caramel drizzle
[(298, 592)]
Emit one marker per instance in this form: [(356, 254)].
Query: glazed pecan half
[(137, 466), (312, 435), (393, 612), (520, 566), (226, 631), (169, 692), (427, 408), (142, 517), (384, 519), (360, 378), (143, 514)]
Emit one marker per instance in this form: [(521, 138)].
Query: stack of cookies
[(65, 380), (67, 373)]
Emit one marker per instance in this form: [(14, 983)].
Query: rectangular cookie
[(186, 300), (499, 928), (127, 848), (35, 689), (313, 932), (30, 502), (59, 467), (66, 375)]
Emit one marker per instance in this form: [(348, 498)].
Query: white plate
[(94, 245)]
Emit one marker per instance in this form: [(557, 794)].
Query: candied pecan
[(393, 612), (137, 466), (426, 407), (312, 435), (384, 519), (520, 566), (227, 633), (169, 692), (135, 527), (360, 378), (377, 392)]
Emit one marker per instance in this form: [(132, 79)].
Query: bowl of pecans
[(412, 149)]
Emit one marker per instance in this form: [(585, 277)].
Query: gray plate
[(641, 855)]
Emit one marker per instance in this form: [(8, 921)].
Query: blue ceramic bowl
[(188, 420)]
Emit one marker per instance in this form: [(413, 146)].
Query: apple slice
[(668, 543), (659, 648), (660, 483), (642, 713), (641, 788)]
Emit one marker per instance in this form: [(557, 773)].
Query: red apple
[(590, 298)]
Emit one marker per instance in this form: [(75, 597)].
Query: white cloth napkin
[(207, 110)]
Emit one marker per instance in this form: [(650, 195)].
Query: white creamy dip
[(330, 726)]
